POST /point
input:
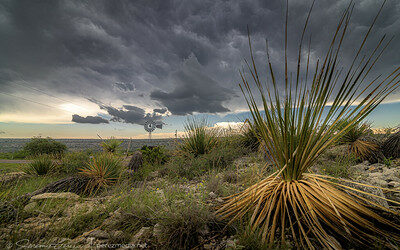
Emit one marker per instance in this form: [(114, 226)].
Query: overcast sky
[(78, 68)]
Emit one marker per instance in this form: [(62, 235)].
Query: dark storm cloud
[(194, 91), (130, 114), (125, 87), (160, 111), (89, 119), (82, 48)]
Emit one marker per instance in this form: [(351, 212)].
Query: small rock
[(30, 206), (220, 200), (157, 232), (160, 192), (119, 235), (212, 195), (393, 184), (65, 195), (98, 234), (143, 234)]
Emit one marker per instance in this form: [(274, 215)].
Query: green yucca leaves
[(199, 137), (111, 145), (103, 171)]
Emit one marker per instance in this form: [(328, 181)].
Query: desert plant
[(154, 155), (199, 137), (39, 146), (250, 137), (72, 161), (111, 145), (361, 144), (391, 146), (297, 127), (41, 165), (102, 171)]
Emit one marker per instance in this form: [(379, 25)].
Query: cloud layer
[(89, 119), (182, 55)]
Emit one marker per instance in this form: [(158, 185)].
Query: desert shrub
[(340, 167), (190, 166), (199, 138), (111, 145), (249, 137), (361, 143), (154, 155), (72, 161), (38, 146), (103, 171), (391, 146), (182, 215), (20, 154), (41, 165)]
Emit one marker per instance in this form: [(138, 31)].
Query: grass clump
[(103, 171), (199, 138), (41, 165), (111, 145), (297, 125), (71, 162), (20, 154), (38, 146)]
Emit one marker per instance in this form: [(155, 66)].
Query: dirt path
[(14, 161)]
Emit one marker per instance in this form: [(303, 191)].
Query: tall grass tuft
[(111, 145), (199, 138), (41, 165), (297, 125), (103, 171)]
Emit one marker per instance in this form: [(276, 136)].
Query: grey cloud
[(81, 48), (194, 91), (89, 119), (160, 111), (125, 87), (2, 132), (130, 114)]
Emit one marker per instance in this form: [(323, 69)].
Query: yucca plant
[(297, 125), (111, 145), (360, 142), (250, 136), (41, 165), (199, 138), (102, 171), (391, 146)]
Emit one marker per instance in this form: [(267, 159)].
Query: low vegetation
[(38, 146), (41, 165), (111, 145)]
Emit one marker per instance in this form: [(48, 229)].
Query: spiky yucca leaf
[(102, 171), (111, 145), (199, 137), (297, 127)]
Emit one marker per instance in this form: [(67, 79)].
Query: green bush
[(39, 146), (41, 165), (154, 155), (72, 161), (222, 156)]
